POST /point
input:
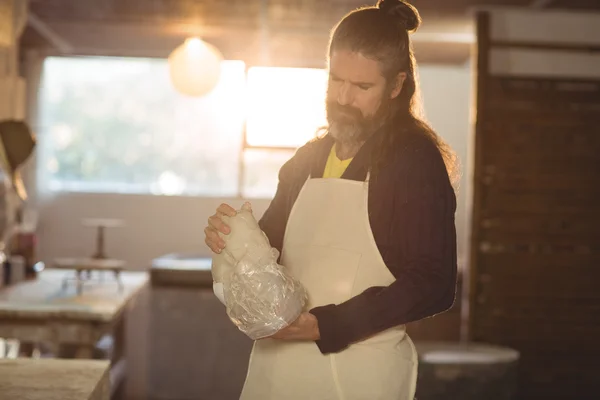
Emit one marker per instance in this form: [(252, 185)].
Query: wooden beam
[(286, 46), (541, 3), (471, 284), (574, 47), (443, 37)]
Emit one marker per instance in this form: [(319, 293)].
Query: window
[(286, 108), (117, 125)]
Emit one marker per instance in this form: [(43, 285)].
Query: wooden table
[(207, 347), (42, 311), (84, 268), (48, 379), (181, 269)]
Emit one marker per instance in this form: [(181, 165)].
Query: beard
[(348, 126)]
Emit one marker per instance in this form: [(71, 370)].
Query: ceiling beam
[(283, 45), (541, 3), (443, 37), (77, 32)]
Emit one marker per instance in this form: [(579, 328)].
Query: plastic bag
[(260, 296)]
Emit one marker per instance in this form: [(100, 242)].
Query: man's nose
[(344, 97)]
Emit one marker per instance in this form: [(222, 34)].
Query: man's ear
[(400, 78)]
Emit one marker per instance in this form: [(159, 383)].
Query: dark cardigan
[(411, 211)]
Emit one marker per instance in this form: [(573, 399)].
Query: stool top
[(103, 222), (467, 353), (88, 263)]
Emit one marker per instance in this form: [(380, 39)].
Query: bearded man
[(364, 218)]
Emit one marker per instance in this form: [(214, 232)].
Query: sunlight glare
[(287, 107)]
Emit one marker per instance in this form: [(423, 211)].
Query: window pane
[(117, 125), (261, 172), (286, 105)]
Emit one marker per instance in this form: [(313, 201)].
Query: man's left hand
[(305, 327)]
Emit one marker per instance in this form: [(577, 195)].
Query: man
[(364, 217)]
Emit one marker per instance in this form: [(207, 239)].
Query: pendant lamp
[(195, 67)]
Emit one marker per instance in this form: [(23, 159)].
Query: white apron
[(329, 247)]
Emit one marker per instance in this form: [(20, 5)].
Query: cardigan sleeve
[(274, 220), (422, 258), (291, 175)]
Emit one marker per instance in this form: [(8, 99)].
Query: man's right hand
[(215, 225)]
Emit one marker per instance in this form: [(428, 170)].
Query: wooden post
[(482, 70)]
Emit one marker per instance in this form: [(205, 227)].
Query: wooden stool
[(87, 265), (101, 224), (468, 371)]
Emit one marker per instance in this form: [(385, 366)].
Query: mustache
[(336, 110)]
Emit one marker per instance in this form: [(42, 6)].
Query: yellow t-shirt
[(335, 167)]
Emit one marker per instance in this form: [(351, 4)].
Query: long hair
[(381, 33)]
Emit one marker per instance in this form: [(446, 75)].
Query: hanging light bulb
[(195, 67)]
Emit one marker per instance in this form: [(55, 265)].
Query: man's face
[(355, 93)]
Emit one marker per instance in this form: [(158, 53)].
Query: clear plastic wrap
[(260, 296)]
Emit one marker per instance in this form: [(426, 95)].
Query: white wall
[(155, 225), (158, 225), (446, 96)]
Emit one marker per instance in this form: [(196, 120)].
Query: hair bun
[(406, 13)]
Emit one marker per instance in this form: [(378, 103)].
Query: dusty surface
[(46, 298), (50, 379)]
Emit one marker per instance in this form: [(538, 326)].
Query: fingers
[(215, 222), (216, 225), (226, 209), (213, 240)]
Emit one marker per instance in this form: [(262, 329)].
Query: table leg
[(79, 282), (119, 281), (119, 338), (26, 349), (119, 358), (100, 244), (84, 351)]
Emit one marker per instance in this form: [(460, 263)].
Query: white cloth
[(329, 247), (218, 291)]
